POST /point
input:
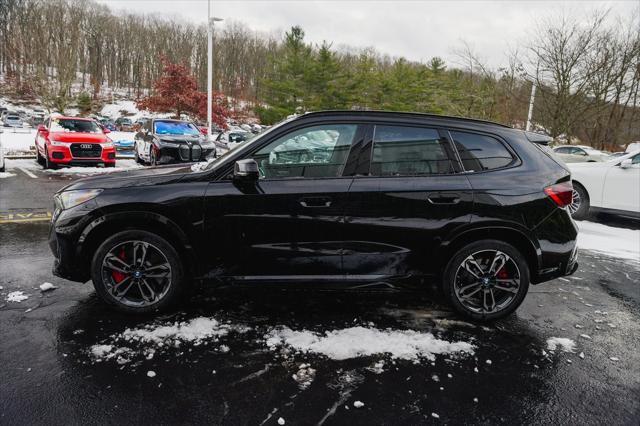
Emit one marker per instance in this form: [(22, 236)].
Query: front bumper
[(183, 154), (68, 155)]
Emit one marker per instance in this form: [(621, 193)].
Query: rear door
[(409, 197)]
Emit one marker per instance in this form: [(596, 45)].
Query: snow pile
[(304, 376), (16, 296), (121, 165), (4, 175), (47, 287), (153, 337), (359, 341), (567, 345), (616, 242)]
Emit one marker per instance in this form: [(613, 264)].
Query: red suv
[(71, 141)]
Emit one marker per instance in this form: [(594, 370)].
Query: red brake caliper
[(119, 276), (502, 274)]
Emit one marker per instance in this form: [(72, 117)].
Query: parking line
[(25, 217), (28, 173)]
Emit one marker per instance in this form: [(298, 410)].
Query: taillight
[(560, 193)]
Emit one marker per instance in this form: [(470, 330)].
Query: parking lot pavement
[(236, 356)]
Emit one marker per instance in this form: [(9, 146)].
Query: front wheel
[(486, 280), (48, 164), (138, 272)]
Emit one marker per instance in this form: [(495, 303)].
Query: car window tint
[(481, 152), (635, 159), (318, 151), (563, 150), (406, 151)]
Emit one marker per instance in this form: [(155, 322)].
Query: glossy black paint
[(353, 228)]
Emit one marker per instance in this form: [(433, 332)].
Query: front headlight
[(68, 199), (54, 142), (164, 144), (108, 145)]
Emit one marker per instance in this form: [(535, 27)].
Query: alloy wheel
[(487, 281), (136, 273), (575, 205)]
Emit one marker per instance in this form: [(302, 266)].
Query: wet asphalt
[(47, 375)]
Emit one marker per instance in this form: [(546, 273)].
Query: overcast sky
[(417, 30)]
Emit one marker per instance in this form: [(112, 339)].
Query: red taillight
[(560, 193)]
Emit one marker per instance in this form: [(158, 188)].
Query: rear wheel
[(138, 272), (579, 208), (486, 280), (152, 157)]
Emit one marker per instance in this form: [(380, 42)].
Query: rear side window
[(481, 152), (406, 151)]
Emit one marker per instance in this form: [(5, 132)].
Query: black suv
[(339, 198)]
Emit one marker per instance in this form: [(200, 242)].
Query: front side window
[(69, 125), (481, 152), (312, 152), (174, 128), (563, 150), (407, 151)]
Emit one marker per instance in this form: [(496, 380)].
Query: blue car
[(124, 148)]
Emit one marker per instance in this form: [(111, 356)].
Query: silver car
[(579, 154), (12, 120)]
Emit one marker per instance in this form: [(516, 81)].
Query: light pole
[(531, 101), (210, 22)]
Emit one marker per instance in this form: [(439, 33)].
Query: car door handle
[(315, 202), (444, 198)]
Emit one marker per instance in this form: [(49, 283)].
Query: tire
[(48, 164), (153, 161), (579, 209), (162, 290), (135, 155), (512, 275), (39, 158)]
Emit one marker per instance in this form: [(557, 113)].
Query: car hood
[(79, 137), (137, 177)]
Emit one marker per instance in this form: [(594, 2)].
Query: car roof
[(66, 117), (399, 114)]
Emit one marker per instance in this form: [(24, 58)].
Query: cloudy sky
[(417, 30)]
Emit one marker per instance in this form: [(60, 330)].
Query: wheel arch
[(99, 229), (518, 239), (577, 182)]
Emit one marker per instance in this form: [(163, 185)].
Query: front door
[(289, 225), (412, 196), (621, 187)]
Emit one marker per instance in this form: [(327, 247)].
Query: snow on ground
[(16, 296), (567, 345), (616, 242), (360, 341), (30, 164), (18, 140), (154, 337), (4, 175)]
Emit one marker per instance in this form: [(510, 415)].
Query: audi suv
[(346, 199)]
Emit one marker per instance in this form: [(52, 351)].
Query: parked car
[(73, 140), (124, 124), (107, 123), (139, 124), (2, 168), (236, 136), (36, 119), (164, 141), (609, 187), (579, 154), (125, 148), (331, 199), (12, 120)]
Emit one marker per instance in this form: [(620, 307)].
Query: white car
[(612, 186), (579, 154)]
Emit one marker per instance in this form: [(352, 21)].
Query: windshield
[(70, 125), (174, 128)]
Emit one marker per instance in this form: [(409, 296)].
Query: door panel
[(279, 228), (622, 187)]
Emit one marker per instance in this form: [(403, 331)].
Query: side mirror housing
[(246, 170), (625, 164), (41, 128), (105, 130)]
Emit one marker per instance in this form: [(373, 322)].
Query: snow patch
[(567, 345), (360, 341), (358, 404), (47, 287), (4, 175), (16, 296), (616, 242)]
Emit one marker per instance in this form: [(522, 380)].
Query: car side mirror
[(625, 164), (105, 130), (246, 170), (41, 128)]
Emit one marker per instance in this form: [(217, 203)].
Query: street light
[(210, 23)]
